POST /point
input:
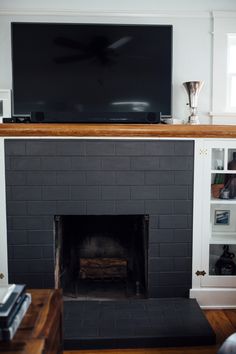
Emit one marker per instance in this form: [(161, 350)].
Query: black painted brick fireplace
[(48, 177)]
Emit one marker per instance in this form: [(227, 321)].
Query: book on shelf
[(5, 321), (8, 333), (7, 307), (5, 292)]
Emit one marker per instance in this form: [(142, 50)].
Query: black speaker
[(37, 117), (96, 117), (153, 117), (9, 120)]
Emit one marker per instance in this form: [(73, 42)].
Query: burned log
[(103, 268)]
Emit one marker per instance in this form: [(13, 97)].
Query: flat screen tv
[(65, 72)]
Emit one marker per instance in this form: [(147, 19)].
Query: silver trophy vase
[(193, 89)]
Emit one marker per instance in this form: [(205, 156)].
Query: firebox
[(102, 256)]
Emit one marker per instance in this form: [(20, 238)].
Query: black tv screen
[(91, 70)]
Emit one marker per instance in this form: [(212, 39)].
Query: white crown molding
[(100, 14)]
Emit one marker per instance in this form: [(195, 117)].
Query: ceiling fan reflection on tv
[(99, 48)]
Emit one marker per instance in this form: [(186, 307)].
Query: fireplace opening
[(101, 256)]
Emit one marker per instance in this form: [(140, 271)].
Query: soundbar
[(95, 117)]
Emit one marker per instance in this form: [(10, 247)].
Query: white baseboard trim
[(217, 298)]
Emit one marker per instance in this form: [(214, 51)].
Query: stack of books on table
[(14, 302)]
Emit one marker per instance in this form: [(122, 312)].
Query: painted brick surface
[(115, 192), (72, 207), (16, 237), (41, 178), (46, 177)]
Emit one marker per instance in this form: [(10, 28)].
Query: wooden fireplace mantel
[(117, 130)]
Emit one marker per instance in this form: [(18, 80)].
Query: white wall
[(122, 5), (192, 38)]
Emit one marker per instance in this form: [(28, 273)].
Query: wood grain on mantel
[(117, 130)]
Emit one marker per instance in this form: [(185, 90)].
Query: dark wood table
[(41, 329)]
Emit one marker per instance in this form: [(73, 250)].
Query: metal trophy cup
[(193, 89)]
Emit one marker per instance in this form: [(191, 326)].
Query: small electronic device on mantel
[(91, 73)]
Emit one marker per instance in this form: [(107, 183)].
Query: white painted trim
[(223, 23), (223, 118), (5, 99), (99, 13), (214, 298), (197, 212), (223, 114), (223, 14), (97, 138), (3, 222)]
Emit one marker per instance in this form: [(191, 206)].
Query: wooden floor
[(222, 321)]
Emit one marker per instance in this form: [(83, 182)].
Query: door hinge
[(200, 272)]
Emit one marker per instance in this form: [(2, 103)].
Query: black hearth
[(102, 256)]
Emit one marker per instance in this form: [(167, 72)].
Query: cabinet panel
[(219, 214)]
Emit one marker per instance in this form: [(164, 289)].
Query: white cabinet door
[(3, 226), (218, 227)]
